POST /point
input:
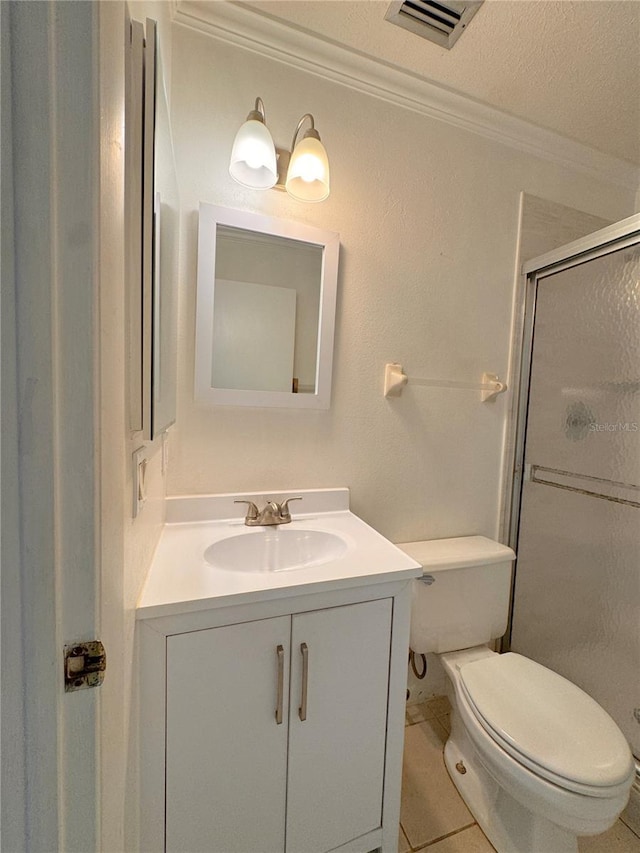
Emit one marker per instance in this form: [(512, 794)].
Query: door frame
[(50, 382), (600, 243)]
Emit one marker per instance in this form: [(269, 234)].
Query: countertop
[(180, 580)]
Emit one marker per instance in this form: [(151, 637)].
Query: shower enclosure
[(575, 523)]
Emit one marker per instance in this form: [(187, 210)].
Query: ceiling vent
[(439, 22)]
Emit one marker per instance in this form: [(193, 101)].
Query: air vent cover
[(439, 22)]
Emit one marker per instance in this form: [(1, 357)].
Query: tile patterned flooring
[(433, 817)]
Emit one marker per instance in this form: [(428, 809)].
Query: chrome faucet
[(272, 513)]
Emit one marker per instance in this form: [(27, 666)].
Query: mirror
[(164, 297), (152, 236), (265, 311)]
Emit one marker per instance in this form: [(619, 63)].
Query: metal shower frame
[(603, 242)]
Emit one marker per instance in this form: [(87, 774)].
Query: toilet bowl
[(570, 777), (537, 761)]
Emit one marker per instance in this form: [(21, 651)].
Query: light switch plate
[(139, 487), (165, 451)]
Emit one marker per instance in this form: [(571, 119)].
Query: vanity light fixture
[(256, 162), (253, 156), (308, 173)]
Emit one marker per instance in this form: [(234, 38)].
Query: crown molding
[(245, 28)]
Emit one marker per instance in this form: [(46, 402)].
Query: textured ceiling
[(572, 66)]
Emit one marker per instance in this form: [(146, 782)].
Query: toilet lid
[(546, 721)]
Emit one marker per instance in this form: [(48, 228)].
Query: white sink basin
[(274, 549), (207, 557)]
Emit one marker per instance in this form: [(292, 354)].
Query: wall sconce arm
[(311, 132), (258, 112)]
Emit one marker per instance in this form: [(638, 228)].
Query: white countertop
[(180, 580)]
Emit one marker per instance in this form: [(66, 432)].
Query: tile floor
[(434, 818)]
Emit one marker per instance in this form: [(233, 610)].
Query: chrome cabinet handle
[(302, 710), (280, 653)]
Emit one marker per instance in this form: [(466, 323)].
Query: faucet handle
[(252, 510), (285, 514)]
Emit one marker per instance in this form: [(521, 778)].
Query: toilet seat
[(547, 724)]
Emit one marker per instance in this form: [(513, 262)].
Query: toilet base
[(509, 826)]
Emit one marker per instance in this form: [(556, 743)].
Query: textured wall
[(428, 219), (127, 544)]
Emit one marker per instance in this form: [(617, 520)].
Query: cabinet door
[(226, 753), (336, 755)]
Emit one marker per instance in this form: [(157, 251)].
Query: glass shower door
[(577, 587)]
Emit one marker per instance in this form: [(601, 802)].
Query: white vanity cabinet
[(336, 753), (272, 686), (279, 734), (276, 730), (226, 757)]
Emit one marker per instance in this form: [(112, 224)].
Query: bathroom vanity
[(273, 676)]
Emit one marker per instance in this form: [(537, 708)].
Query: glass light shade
[(253, 157), (308, 175)]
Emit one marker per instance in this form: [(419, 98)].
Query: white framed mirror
[(153, 230), (164, 295), (265, 313)]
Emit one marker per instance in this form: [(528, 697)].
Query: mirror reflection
[(265, 310), (265, 313), (166, 232)]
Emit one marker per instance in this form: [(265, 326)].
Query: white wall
[(127, 544), (428, 218)]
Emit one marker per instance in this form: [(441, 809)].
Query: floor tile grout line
[(431, 709), (409, 723), (630, 828), (441, 838)]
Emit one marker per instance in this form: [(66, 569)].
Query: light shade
[(253, 156), (308, 175)]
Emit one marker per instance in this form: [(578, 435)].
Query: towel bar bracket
[(395, 379)]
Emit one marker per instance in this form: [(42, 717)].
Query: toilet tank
[(462, 600)]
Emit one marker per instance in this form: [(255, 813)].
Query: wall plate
[(139, 473)]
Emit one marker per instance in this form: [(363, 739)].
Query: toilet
[(537, 761)]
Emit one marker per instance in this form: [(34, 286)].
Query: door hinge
[(84, 665)]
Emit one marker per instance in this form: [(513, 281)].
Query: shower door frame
[(607, 240)]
